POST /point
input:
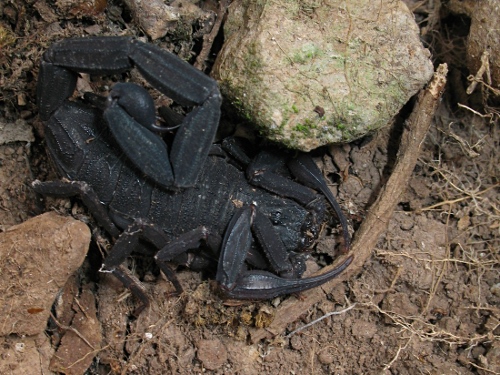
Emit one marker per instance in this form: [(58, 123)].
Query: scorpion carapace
[(195, 193)]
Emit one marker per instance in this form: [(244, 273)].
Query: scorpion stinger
[(237, 282)]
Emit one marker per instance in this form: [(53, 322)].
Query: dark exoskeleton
[(194, 194)]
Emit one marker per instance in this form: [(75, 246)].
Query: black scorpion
[(198, 193)]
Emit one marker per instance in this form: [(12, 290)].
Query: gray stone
[(310, 73)]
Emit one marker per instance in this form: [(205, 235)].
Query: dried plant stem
[(320, 319), (76, 332), (469, 195), (396, 356)]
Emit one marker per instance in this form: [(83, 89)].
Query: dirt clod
[(325, 358), (211, 353), (80, 342), (36, 259)]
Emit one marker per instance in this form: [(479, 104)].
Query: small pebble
[(325, 358), (495, 289), (296, 342), (406, 223)]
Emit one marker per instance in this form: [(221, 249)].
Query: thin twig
[(320, 319), (485, 68), (468, 196), (62, 326), (483, 368), (396, 356), (417, 325)]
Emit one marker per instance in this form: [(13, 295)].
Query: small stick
[(68, 328), (485, 68), (320, 319)]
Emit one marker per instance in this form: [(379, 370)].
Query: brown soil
[(426, 301)]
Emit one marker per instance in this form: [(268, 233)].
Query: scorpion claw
[(62, 62), (198, 128), (151, 157), (60, 81), (171, 75), (167, 73)]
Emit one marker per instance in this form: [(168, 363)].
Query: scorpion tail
[(266, 285)]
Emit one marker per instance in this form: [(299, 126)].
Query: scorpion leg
[(127, 242), (133, 284), (91, 201), (176, 251), (261, 172), (181, 244), (80, 189), (237, 148)]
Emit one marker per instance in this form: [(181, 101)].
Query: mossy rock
[(311, 73)]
